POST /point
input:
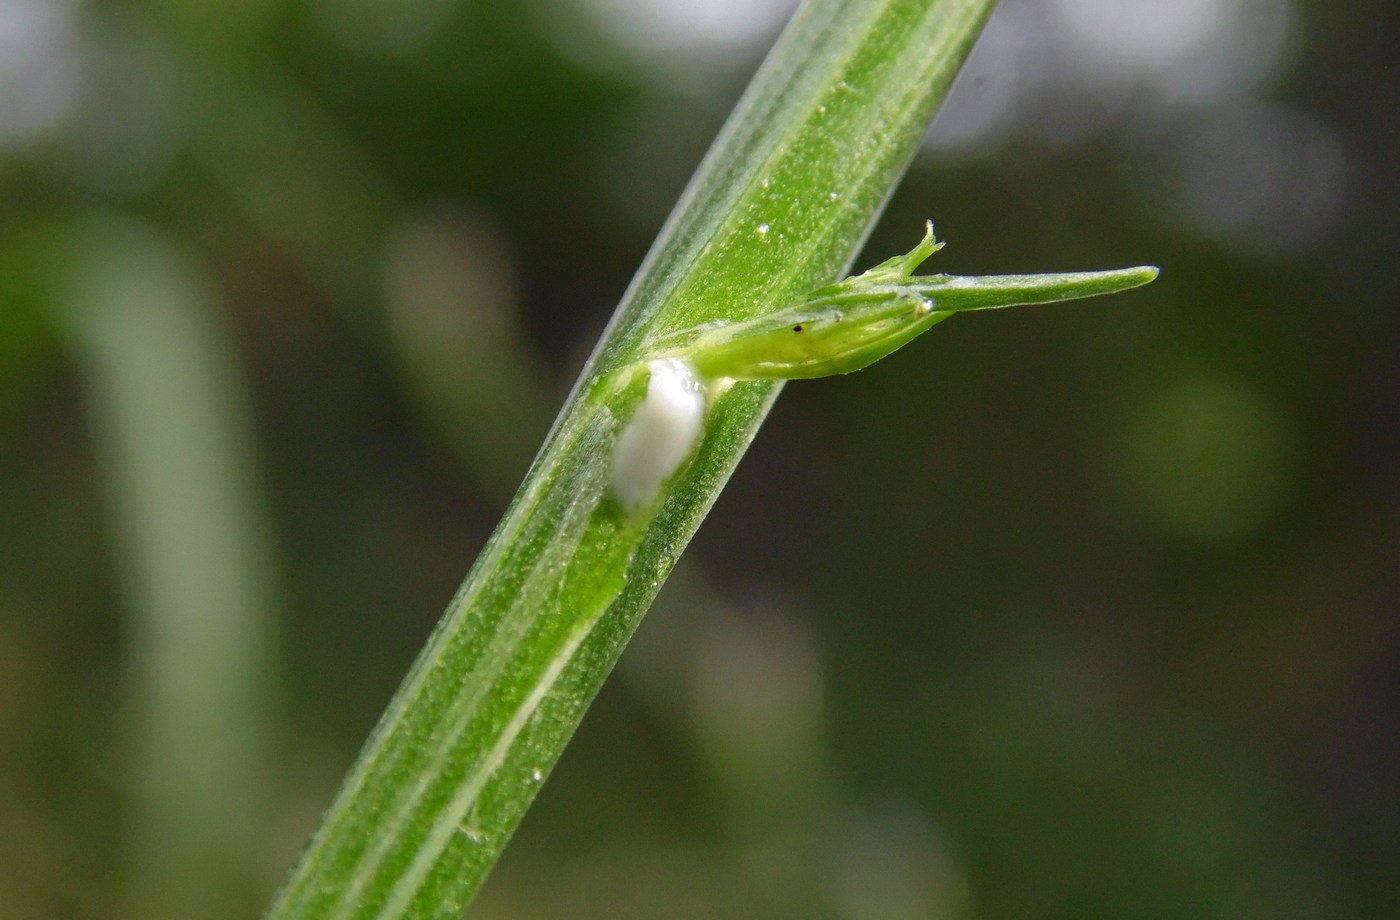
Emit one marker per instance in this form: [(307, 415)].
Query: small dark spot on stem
[(797, 328)]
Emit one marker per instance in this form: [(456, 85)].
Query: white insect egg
[(660, 435)]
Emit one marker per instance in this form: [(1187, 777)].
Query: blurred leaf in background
[(1086, 612)]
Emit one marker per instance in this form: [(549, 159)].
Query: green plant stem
[(779, 207)]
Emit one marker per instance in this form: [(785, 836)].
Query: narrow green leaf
[(956, 294), (849, 325)]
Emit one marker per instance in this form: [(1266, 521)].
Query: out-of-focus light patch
[(447, 278), (39, 72), (893, 867), (757, 686), (1145, 34), (1199, 52), (122, 134), (383, 28), (988, 92), (451, 314), (694, 26), (682, 43), (1208, 459), (1188, 51), (1065, 70), (1263, 180), (1236, 61), (1081, 108)]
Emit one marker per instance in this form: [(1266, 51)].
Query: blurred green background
[(1088, 611)]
